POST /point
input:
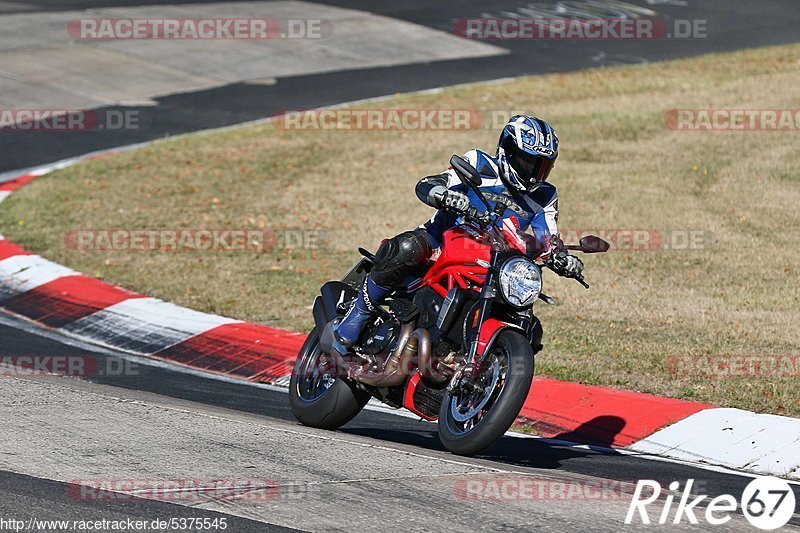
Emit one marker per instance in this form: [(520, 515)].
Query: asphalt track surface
[(731, 25), (47, 499)]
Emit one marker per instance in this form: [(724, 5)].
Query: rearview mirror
[(465, 171), (591, 244)]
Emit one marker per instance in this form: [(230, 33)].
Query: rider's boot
[(363, 309)]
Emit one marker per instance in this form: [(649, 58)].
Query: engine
[(380, 337)]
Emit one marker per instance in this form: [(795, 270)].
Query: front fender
[(490, 330)]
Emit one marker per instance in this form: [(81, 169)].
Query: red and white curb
[(733, 438), (93, 311)]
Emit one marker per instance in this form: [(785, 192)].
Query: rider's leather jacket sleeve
[(428, 187)]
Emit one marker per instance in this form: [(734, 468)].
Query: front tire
[(470, 422), (320, 399)]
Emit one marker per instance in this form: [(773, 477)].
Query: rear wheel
[(474, 416), (317, 397)]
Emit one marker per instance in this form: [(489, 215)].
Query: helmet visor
[(530, 168)]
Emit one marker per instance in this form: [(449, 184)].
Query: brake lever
[(546, 299), (549, 264)]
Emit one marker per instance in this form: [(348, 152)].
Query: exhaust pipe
[(400, 363), (398, 366), (421, 339)]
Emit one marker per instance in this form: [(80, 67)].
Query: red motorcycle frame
[(464, 262)]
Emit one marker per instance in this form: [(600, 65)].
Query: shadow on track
[(510, 450)]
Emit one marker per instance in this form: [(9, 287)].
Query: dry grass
[(620, 167)]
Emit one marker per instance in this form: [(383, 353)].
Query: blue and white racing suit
[(536, 213)]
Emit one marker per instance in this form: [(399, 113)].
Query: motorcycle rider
[(517, 174)]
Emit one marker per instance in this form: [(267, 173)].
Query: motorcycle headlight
[(520, 282)]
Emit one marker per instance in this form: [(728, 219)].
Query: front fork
[(475, 354)]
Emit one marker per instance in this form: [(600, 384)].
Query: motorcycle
[(456, 346)]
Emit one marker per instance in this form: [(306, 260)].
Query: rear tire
[(505, 407), (321, 401)]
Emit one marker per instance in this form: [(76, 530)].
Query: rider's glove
[(454, 201), (567, 265)]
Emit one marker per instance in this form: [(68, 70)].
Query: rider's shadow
[(584, 441), (600, 431)]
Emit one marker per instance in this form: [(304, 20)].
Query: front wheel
[(317, 397), (473, 417)]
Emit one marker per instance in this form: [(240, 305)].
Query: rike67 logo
[(767, 503)]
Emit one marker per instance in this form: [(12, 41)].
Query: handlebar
[(470, 177), (487, 218), (579, 278)]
